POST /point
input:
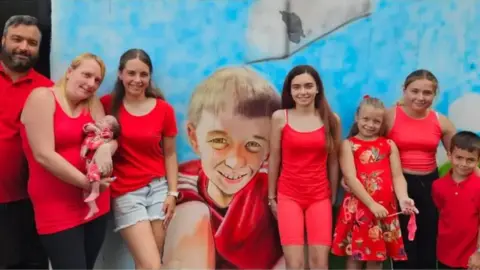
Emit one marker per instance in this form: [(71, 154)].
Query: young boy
[(222, 219), (457, 197)]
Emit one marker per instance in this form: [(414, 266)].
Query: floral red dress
[(358, 233)]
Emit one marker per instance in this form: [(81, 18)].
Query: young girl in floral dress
[(367, 228)]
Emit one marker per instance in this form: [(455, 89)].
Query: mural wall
[(359, 47)]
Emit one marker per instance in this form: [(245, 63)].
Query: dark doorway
[(41, 9)]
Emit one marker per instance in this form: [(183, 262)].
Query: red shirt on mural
[(245, 233)]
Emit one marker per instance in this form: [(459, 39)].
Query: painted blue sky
[(189, 39)]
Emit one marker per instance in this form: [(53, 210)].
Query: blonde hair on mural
[(76, 62), (238, 88), (419, 74)]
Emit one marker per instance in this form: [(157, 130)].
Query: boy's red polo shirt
[(13, 166), (459, 208)]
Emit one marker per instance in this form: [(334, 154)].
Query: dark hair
[(465, 140), (115, 130), (321, 104), (17, 20), (118, 92), (370, 101)]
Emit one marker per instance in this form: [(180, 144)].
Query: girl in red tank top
[(304, 166), (367, 228), (417, 130)]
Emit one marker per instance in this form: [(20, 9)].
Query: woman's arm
[(171, 163), (399, 182), (448, 130), (278, 121), (37, 117), (333, 166), (349, 171)]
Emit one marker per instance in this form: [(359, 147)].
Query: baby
[(98, 133)]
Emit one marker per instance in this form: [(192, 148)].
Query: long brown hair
[(321, 104), (118, 92)]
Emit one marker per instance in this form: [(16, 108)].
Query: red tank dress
[(358, 233), (59, 206)]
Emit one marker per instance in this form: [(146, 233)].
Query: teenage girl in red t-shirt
[(145, 165), (52, 134), (303, 158)]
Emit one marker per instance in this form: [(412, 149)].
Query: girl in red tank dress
[(367, 228)]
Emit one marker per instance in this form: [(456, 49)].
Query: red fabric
[(417, 140), (93, 172), (59, 206), (459, 207), (139, 157), (358, 233), (412, 227), (304, 165), (13, 166), (245, 234)]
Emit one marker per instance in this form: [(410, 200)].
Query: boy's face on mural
[(419, 94), (463, 161), (231, 147), (135, 77), (304, 90)]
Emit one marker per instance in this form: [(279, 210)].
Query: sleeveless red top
[(417, 140), (304, 164), (58, 205)]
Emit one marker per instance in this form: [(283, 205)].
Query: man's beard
[(16, 65)]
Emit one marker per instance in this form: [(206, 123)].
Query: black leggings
[(78, 247), (421, 251)]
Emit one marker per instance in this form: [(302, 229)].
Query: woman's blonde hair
[(76, 62)]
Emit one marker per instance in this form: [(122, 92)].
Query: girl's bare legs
[(374, 265), (353, 265)]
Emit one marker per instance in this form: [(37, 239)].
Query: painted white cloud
[(267, 31), (465, 112)]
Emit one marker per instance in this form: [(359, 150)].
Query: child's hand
[(344, 185), (378, 210), (407, 206), (474, 261)]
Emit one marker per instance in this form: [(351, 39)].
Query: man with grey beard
[(20, 247)]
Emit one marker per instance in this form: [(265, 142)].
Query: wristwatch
[(173, 193)]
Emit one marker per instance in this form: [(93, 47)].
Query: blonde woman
[(52, 120)]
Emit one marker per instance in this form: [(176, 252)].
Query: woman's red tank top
[(58, 205), (304, 164), (417, 140)]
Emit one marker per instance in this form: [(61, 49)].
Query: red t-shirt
[(139, 158), (459, 208), (59, 206), (13, 166), (245, 233)]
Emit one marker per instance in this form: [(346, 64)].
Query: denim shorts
[(142, 204)]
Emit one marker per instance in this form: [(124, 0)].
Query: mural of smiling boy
[(222, 218)]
